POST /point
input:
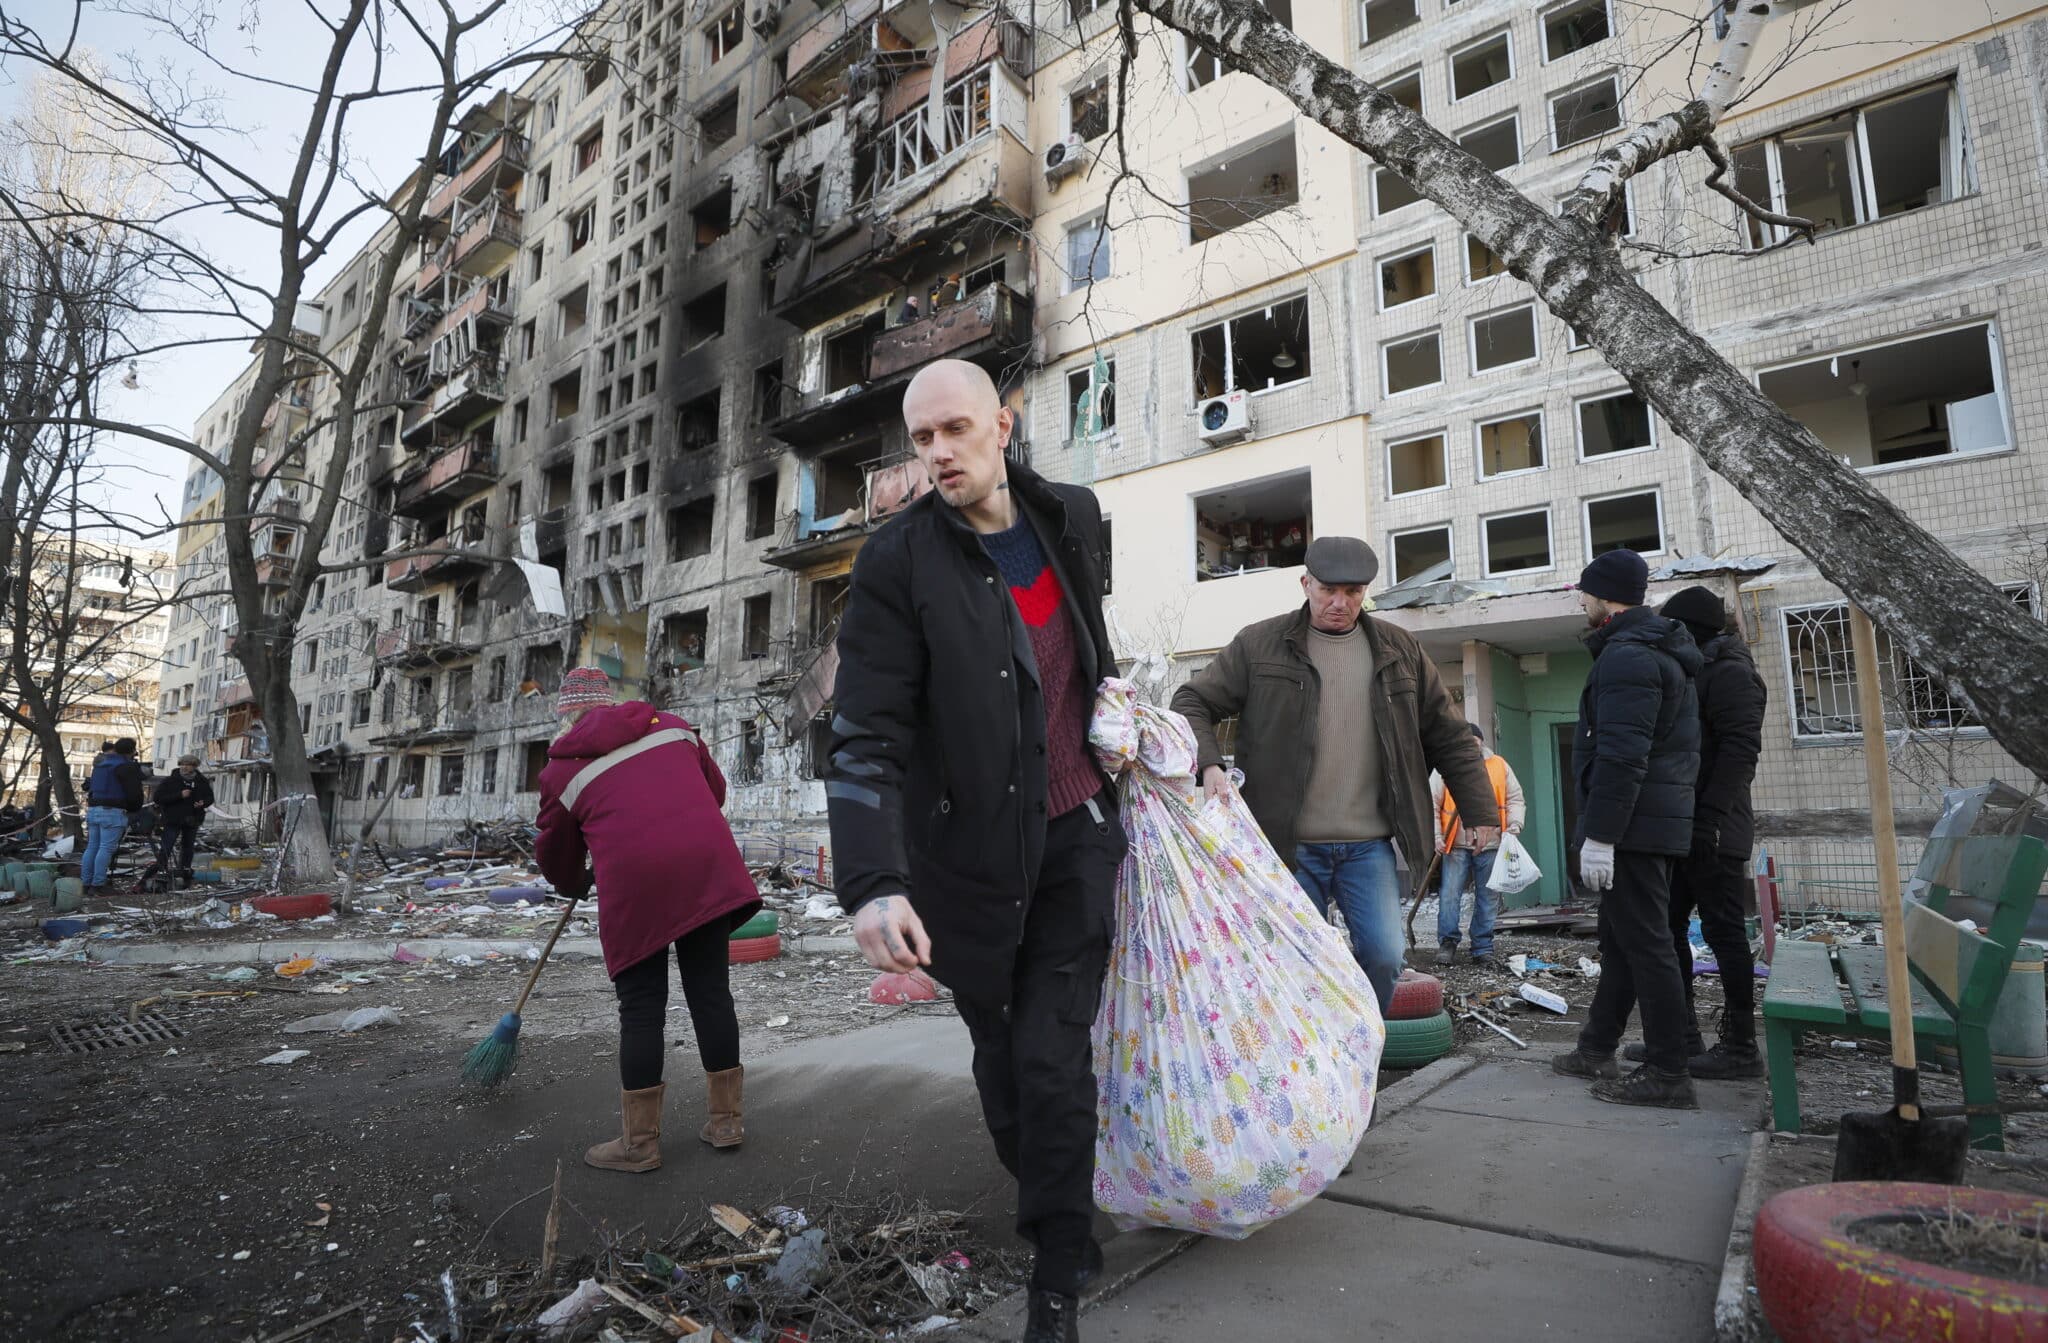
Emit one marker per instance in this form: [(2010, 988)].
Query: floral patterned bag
[(1238, 1044)]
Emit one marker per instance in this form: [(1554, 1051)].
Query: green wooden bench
[(1957, 974)]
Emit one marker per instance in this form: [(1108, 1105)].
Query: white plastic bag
[(1513, 868), (1238, 1045)]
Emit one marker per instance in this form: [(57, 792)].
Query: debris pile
[(795, 891), (891, 1269)]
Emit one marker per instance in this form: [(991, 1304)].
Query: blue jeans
[(1364, 881), (104, 827), (1461, 866)]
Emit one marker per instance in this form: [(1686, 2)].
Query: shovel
[(1900, 1143)]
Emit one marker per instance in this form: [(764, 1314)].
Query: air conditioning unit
[(1224, 419), (1065, 158), (764, 17)]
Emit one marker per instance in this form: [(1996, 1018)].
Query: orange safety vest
[(1447, 811)]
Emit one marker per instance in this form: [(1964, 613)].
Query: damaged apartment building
[(646, 374)]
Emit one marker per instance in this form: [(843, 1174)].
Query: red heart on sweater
[(1038, 602)]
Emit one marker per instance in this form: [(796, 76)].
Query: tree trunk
[(268, 662), (1936, 609), (57, 777)]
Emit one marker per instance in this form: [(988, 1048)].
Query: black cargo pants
[(1032, 1059)]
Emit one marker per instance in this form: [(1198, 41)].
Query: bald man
[(972, 831)]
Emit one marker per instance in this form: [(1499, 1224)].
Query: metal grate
[(94, 1037)]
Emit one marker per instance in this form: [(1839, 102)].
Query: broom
[(494, 1057)]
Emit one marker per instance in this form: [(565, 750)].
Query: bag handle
[(590, 772)]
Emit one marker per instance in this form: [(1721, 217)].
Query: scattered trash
[(1841, 1044), (296, 966), (935, 1282), (326, 1214), (1589, 967), (660, 1267), (1519, 964), (239, 1255), (793, 1220), (59, 930), (932, 1325), (284, 1056), (1545, 999), (803, 1264), (241, 974), (405, 955), (775, 1021), (573, 1309), (361, 1019)]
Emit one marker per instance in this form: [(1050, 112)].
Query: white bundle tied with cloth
[(1238, 1044)]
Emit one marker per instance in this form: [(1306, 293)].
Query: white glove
[(1596, 865)]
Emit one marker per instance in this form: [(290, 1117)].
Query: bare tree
[(310, 214), (1940, 612)]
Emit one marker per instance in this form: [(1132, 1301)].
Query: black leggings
[(643, 1007)]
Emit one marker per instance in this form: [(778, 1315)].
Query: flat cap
[(1341, 561)]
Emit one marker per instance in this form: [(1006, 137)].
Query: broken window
[(1390, 192), (723, 35), (690, 529), (497, 681), (1574, 27), (1616, 423), (1625, 522), (768, 392), (1415, 361), (543, 672), (489, 782), (1088, 110), (1257, 525), (1821, 660), (1480, 261), (711, 218), (1091, 400), (968, 110), (1087, 252), (1481, 65), (451, 775), (718, 123), (1200, 67), (359, 709), (1584, 112), (1255, 352), (1384, 18), (1504, 339), (1249, 185), (589, 150), (704, 317), (1408, 277), (1078, 10), (1861, 165), (846, 355), (1420, 550), (1497, 145), (1417, 465), (828, 600), (684, 637), (412, 775), (697, 422), (572, 310), (536, 761), (565, 396), (839, 487), (754, 628), (1510, 445), (753, 750), (1932, 396), (761, 492), (1515, 543)]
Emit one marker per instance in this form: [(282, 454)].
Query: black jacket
[(179, 798), (1732, 700), (937, 783), (1637, 750)]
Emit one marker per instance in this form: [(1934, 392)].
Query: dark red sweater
[(1071, 776)]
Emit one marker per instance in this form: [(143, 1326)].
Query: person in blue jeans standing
[(113, 795), (1340, 719), (1466, 864)]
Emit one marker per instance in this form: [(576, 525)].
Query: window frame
[(1386, 383), (1443, 439), (1504, 36), (1472, 339), (1486, 569), (1104, 251), (1512, 117), (1446, 526), (1479, 453), (1579, 425), (1551, 100), (1195, 398), (1586, 520), (1544, 16), (1107, 430), (1469, 279), (1394, 258)]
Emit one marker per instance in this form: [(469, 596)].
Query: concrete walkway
[(1505, 1203)]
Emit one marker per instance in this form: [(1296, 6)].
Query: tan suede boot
[(723, 1128), (639, 1147)]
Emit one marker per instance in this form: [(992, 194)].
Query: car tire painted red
[(741, 950), (1416, 995), (309, 906)]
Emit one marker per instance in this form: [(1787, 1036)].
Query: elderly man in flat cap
[(1340, 719)]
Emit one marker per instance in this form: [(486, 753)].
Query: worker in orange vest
[(1463, 864)]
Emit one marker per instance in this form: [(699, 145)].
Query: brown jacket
[(1264, 678)]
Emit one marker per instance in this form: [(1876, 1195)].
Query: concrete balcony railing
[(421, 643), (465, 551), (448, 475), (274, 570), (994, 313), (485, 239), (491, 165)]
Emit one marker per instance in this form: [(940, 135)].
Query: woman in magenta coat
[(638, 791)]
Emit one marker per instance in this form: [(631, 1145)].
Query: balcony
[(449, 475), (474, 385), (429, 725), (274, 571), (232, 693), (990, 327), (480, 303), (418, 315), (492, 164), (423, 643), (466, 553), (486, 238), (980, 191), (819, 58)]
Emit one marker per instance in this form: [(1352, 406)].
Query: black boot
[(1638, 1052), (1647, 1086), (1055, 1318), (1579, 1063), (1726, 1061)]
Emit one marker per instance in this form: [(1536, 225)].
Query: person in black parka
[(182, 797), (1636, 755)]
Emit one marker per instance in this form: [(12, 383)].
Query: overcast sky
[(251, 44)]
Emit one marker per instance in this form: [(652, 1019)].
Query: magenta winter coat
[(665, 858)]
